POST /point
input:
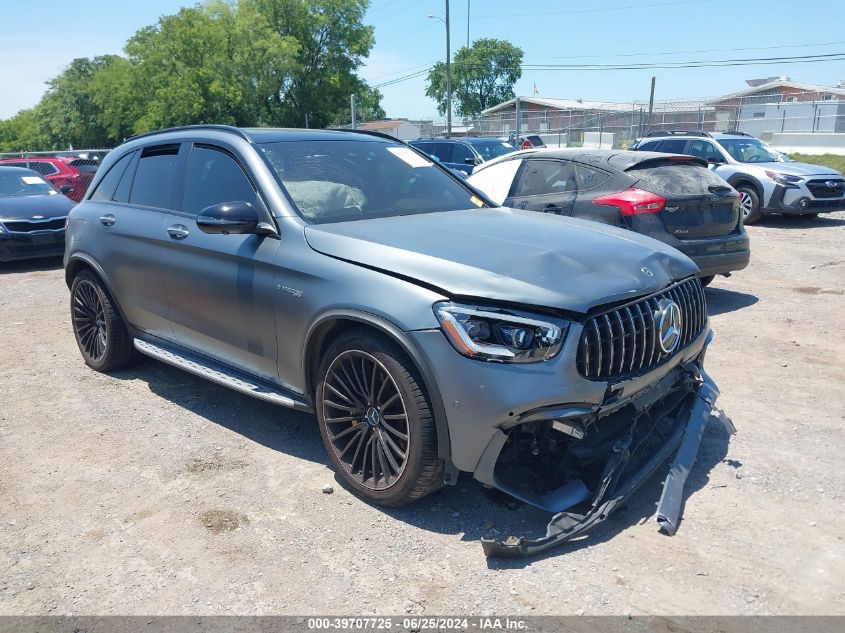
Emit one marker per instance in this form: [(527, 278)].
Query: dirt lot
[(154, 492)]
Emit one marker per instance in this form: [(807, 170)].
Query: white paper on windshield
[(409, 156), (32, 180)]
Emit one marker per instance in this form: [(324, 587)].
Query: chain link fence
[(574, 123)]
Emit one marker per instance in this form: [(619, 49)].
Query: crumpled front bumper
[(698, 393)]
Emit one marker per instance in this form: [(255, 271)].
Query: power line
[(596, 10)]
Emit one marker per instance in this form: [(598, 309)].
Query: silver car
[(766, 179), (432, 333)]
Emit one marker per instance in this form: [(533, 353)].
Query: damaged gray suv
[(346, 274)]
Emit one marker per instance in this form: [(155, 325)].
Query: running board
[(216, 372)]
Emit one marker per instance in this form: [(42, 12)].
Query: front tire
[(375, 420), (97, 325), (749, 204)]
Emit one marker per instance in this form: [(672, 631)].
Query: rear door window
[(704, 149), (105, 190), (461, 153), (543, 177), (214, 177), (673, 146), (442, 152), (156, 177)]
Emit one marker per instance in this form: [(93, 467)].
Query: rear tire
[(375, 420), (705, 281), (749, 203), (100, 333)]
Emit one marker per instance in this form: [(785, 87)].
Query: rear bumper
[(16, 246), (716, 256), (799, 201)]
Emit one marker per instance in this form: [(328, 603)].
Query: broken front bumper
[(682, 404)]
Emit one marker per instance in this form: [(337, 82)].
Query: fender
[(735, 178), (79, 261), (408, 346)]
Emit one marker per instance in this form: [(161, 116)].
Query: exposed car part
[(621, 459)]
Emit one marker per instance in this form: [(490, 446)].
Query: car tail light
[(633, 201), (526, 144)]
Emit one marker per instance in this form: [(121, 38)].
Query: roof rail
[(680, 133), (738, 133), (200, 126), (367, 132)]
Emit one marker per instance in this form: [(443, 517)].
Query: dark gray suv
[(431, 332)]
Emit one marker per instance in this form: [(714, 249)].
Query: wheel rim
[(365, 419), (745, 203), (89, 320)]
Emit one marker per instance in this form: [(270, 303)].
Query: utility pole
[(650, 105), (468, 1), (448, 77), (354, 112)]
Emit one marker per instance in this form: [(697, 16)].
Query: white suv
[(767, 181)]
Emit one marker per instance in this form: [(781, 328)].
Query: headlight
[(783, 179), (508, 336)]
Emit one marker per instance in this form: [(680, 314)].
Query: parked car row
[(70, 174)]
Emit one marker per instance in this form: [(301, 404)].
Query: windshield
[(24, 185), (338, 181), (748, 150), (492, 149)]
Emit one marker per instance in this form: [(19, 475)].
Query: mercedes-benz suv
[(765, 181), (432, 332)]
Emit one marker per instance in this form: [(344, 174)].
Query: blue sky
[(37, 39)]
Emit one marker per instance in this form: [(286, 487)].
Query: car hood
[(797, 169), (25, 207), (508, 255)]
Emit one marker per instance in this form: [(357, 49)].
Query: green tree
[(482, 76), (333, 43)]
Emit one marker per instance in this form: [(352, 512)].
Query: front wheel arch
[(333, 324)]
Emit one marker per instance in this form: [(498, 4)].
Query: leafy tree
[(243, 62), (333, 42), (482, 76)]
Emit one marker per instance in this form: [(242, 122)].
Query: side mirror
[(231, 218), (65, 189), (471, 161)]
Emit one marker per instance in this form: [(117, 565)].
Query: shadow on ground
[(799, 222), (30, 265), (721, 300), (463, 510)]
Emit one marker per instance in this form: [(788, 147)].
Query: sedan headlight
[(508, 336), (784, 179)]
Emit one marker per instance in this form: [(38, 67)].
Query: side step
[(217, 372)]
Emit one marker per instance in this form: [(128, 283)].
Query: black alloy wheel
[(376, 420), (366, 420)]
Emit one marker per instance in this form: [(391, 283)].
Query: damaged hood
[(508, 255)]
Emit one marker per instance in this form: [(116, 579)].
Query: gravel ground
[(153, 492)]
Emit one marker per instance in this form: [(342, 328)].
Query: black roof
[(622, 160)]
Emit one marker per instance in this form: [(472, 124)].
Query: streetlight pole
[(468, 23), (448, 77), (448, 70)]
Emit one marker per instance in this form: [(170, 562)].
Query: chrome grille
[(623, 341)]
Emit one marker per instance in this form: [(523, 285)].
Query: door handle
[(107, 220), (178, 231)]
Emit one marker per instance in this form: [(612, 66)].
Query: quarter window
[(590, 177), (155, 177), (214, 177), (105, 190)]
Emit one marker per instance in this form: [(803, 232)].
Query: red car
[(72, 171)]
